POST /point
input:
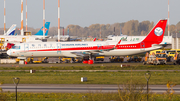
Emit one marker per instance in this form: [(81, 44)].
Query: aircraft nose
[(9, 52)]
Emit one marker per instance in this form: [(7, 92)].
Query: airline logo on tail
[(158, 31), (44, 29), (40, 33), (155, 36)]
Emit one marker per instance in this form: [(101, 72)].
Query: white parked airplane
[(11, 30), (67, 38), (82, 49), (33, 38), (62, 38), (166, 40)]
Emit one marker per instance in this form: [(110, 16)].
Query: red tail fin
[(94, 39), (156, 35)]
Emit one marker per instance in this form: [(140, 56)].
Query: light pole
[(147, 76), (59, 30), (16, 82)]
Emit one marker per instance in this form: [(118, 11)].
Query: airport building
[(176, 41)]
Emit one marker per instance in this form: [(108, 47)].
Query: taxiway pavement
[(79, 88)]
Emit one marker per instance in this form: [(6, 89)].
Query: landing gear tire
[(155, 63)]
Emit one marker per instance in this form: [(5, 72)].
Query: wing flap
[(93, 52)]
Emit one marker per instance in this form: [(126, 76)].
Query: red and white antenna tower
[(4, 16), (59, 32), (26, 16), (168, 18), (100, 32), (22, 32), (43, 19)]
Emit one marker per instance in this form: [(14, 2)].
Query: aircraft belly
[(124, 52), (69, 54), (121, 52), (23, 54), (46, 54)]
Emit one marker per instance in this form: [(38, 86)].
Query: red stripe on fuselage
[(125, 46)]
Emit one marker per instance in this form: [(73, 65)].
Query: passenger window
[(50, 45)]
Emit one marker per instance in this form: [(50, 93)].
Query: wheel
[(174, 63), (155, 63), (31, 61), (178, 62), (67, 61), (171, 59)]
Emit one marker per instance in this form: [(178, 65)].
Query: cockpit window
[(16, 47)]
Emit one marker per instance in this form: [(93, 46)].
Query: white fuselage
[(19, 38), (68, 49)]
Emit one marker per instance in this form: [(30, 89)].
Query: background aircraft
[(10, 31), (33, 38)]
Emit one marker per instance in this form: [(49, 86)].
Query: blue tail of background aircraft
[(40, 33), (12, 33), (11, 30)]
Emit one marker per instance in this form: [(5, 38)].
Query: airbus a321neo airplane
[(83, 49)]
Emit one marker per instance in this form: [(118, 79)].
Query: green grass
[(105, 66), (98, 96), (93, 77)]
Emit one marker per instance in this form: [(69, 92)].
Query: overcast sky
[(87, 12)]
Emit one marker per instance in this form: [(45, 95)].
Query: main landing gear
[(90, 61)]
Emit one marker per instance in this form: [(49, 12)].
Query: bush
[(3, 97)]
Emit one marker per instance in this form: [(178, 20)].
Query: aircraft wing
[(94, 52), (157, 46), (94, 39), (84, 54), (165, 44)]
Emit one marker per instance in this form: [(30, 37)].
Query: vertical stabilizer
[(156, 35), (40, 33), (11, 30)]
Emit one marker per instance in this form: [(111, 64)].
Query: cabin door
[(99, 46), (142, 46), (58, 48), (26, 47)]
